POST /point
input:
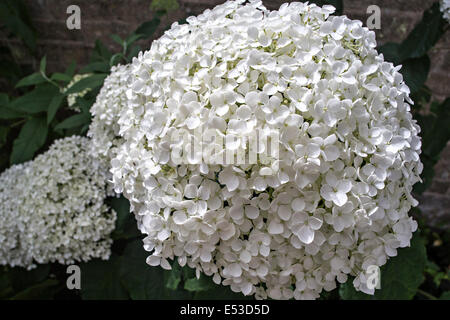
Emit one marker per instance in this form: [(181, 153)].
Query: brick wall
[(100, 18)]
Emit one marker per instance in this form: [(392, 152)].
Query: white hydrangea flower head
[(11, 251), (72, 98), (445, 9), (52, 208), (334, 201), (111, 100)]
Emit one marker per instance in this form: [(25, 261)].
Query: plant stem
[(426, 294), (17, 123)]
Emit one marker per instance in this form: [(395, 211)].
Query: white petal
[(313, 150), (275, 227), (260, 184), (264, 250), (163, 234), (245, 256), (237, 212), (306, 234), (252, 33), (340, 198), (205, 256), (315, 223), (153, 261), (192, 122), (331, 153), (298, 204), (216, 99), (344, 186), (262, 270), (165, 264), (190, 191), (251, 212), (284, 212), (233, 270)]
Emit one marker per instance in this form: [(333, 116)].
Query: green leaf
[(141, 280), (57, 76), (400, 277), (115, 59), (14, 16), (70, 71), (102, 67), (22, 278), (124, 276), (126, 227), (96, 80), (101, 52), (147, 29), (202, 284), (100, 280), (5, 112), (133, 38), (41, 291), (424, 35), (35, 101), (6, 289), (3, 135), (4, 99), (445, 296), (32, 79), (84, 104), (134, 52), (435, 135), (54, 106), (117, 39), (421, 98), (391, 52), (415, 72), (31, 138), (43, 65), (173, 277), (75, 121)]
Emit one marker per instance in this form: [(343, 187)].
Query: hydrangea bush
[(335, 201), (53, 210)]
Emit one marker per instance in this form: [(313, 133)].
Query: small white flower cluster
[(52, 208), (111, 100), (335, 201), (445, 9), (72, 98)]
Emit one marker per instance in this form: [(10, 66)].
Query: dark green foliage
[(32, 136)]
